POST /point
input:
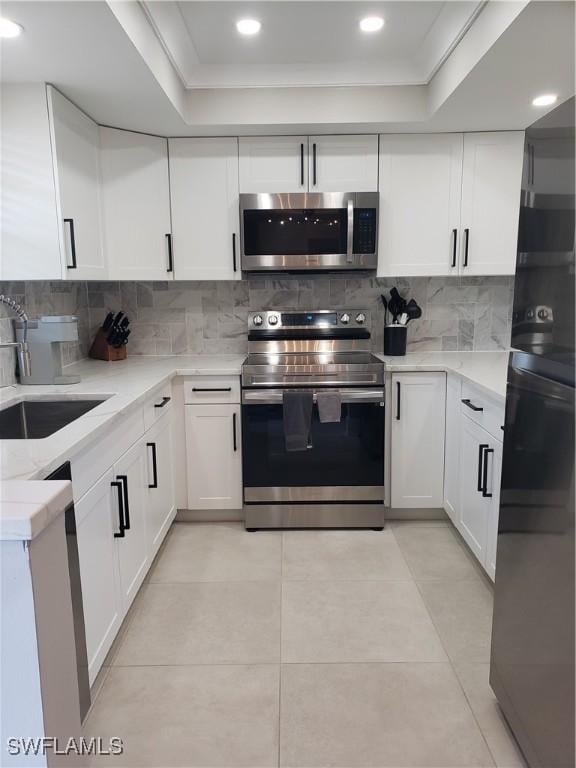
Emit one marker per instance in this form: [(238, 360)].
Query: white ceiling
[(309, 43), (107, 58)]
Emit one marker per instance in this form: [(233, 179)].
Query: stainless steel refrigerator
[(532, 663)]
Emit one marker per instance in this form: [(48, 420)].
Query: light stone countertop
[(26, 508), (485, 369)]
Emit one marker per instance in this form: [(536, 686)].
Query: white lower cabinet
[(452, 449), (214, 456), (160, 482), (417, 439), (97, 522)]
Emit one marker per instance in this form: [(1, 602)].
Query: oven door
[(344, 463), (308, 231)]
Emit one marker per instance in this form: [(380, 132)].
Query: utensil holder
[(395, 336), (101, 350)]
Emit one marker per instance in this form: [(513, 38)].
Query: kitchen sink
[(35, 419)]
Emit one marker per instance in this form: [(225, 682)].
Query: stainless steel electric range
[(338, 480)]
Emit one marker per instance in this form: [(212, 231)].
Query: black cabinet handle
[(314, 164), (234, 251), (165, 400), (397, 401), (124, 480), (454, 248), (302, 164), (74, 264), (118, 487), (481, 448), (154, 483), (234, 432), (466, 239), (170, 254), (211, 389), (485, 493), (471, 405)]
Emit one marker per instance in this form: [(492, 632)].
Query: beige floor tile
[(357, 621), (434, 553), (505, 750), (342, 555), (215, 623), (347, 715), (218, 552), (462, 614), (189, 716)]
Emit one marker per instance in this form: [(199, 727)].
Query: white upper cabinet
[(420, 180), (343, 163), (205, 218), (135, 205), (76, 172), (491, 181), (274, 164), (29, 226), (417, 440)]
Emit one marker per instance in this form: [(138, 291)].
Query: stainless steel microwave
[(309, 231)]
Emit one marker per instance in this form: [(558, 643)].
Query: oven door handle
[(267, 396)]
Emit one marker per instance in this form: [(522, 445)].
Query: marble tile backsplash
[(187, 317)]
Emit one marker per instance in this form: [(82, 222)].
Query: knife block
[(101, 350)]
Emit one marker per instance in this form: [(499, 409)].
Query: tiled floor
[(306, 650)]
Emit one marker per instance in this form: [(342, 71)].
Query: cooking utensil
[(396, 304), (413, 310), (403, 318), (384, 301)]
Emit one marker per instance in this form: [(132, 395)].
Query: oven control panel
[(316, 318)]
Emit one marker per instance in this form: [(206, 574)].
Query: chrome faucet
[(21, 347)]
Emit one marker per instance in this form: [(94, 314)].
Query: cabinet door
[(491, 180), (343, 163), (76, 169), (474, 507), (213, 448), (494, 475), (420, 186), (204, 197), (273, 164), (136, 205), (160, 482), (96, 523), (417, 439), (133, 546), (452, 452)]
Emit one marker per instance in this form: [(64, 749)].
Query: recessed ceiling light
[(372, 24), (248, 26), (545, 100), (9, 28)]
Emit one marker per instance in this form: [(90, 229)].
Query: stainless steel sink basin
[(35, 419)]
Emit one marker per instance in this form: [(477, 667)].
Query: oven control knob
[(257, 320), (361, 318), (345, 318), (273, 319)]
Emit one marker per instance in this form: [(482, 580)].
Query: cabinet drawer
[(483, 409), (157, 405), (211, 389)]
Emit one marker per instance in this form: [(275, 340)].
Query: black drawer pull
[(234, 432), (124, 479), (480, 457), (170, 254), (165, 400), (466, 239), (485, 493), (154, 483), (314, 164), (397, 401), (211, 389), (234, 251), (302, 165), (118, 487), (471, 405)]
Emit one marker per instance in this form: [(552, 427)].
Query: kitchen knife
[(108, 321)]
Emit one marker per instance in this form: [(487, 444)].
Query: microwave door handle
[(350, 237)]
